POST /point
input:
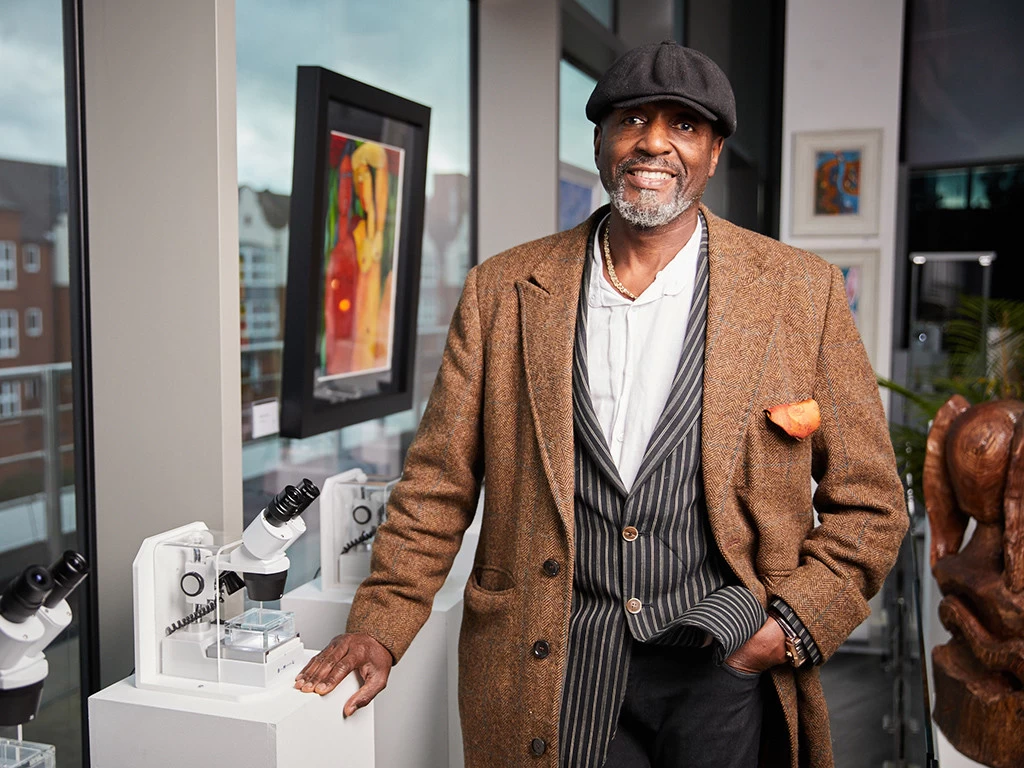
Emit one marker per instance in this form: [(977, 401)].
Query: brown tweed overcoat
[(779, 330)]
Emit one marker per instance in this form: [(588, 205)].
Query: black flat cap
[(666, 71)]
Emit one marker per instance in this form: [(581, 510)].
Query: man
[(647, 552)]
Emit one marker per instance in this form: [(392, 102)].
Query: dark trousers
[(682, 711)]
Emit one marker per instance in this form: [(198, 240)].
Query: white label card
[(264, 419)]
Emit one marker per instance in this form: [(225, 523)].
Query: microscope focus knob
[(192, 584)]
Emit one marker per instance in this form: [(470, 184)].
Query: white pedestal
[(130, 727), (417, 716), (948, 756)]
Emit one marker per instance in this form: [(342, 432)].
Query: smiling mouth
[(644, 174)]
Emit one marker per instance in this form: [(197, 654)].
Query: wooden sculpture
[(974, 468)]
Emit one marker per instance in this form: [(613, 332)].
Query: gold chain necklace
[(611, 269)]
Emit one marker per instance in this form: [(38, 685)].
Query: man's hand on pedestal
[(345, 653), (766, 649)]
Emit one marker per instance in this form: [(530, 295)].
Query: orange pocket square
[(796, 419)]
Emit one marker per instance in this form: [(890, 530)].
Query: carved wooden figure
[(974, 468)]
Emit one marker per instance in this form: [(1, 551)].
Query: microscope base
[(131, 727)]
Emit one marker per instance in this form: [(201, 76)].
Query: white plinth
[(130, 727), (417, 715), (948, 755)]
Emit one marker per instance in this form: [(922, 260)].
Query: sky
[(32, 81), (575, 131), (416, 49)]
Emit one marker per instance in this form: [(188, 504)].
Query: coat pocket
[(489, 589), (772, 459)]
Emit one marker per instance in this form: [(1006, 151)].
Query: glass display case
[(26, 754), (357, 508)]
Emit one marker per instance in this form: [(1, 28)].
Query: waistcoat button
[(538, 747), (633, 605), (629, 533), (551, 567), (541, 649)]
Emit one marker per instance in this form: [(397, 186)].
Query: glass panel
[(602, 10), (997, 187), (579, 186), (422, 53), (37, 497), (741, 37), (939, 190)]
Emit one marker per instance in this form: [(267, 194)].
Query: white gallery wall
[(843, 71)]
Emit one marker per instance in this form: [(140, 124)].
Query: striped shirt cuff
[(731, 616), (781, 607)]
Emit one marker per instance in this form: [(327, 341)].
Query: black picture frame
[(330, 378)]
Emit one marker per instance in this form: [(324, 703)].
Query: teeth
[(653, 174)]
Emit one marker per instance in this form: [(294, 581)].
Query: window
[(31, 257), (8, 265), (428, 62), (579, 187), (37, 493), (259, 265), (602, 10), (261, 319), (8, 333), (10, 399), (34, 322)]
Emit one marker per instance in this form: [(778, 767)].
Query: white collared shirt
[(633, 351)]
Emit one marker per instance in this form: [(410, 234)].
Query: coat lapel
[(587, 425), (742, 305), (548, 302)]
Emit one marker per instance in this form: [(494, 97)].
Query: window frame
[(10, 399), (36, 263), (34, 332), (10, 346), (8, 263)]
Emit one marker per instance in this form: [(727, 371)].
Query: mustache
[(648, 162)]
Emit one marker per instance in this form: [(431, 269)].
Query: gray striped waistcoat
[(673, 566)]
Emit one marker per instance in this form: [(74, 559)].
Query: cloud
[(418, 50), (32, 87)]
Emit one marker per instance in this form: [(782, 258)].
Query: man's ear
[(597, 142), (716, 151)]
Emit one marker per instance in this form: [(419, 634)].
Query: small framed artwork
[(860, 272), (579, 194), (836, 182), (356, 229)]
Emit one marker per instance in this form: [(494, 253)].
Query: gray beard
[(646, 213)]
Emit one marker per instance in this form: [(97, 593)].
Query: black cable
[(363, 537)]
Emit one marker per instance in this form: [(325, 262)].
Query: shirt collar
[(673, 278)]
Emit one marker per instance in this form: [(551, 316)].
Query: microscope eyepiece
[(67, 573), (290, 502), (25, 594), (309, 492)]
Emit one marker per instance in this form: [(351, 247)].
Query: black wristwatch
[(796, 654)]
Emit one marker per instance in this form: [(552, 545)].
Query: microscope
[(181, 579), (33, 612)]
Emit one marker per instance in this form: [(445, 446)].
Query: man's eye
[(632, 120), (685, 126)]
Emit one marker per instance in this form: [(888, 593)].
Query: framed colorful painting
[(836, 182), (860, 273), (355, 235)]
